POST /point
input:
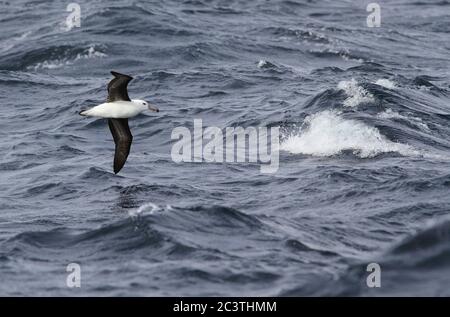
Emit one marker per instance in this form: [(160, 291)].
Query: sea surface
[(364, 171)]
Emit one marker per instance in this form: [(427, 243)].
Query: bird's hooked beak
[(152, 108)]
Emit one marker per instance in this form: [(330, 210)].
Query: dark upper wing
[(117, 88), (122, 138)]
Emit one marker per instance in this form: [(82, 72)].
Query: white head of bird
[(144, 105)]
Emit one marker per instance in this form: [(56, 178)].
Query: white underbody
[(116, 109)]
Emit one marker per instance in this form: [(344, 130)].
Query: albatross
[(117, 109)]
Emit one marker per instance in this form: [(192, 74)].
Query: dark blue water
[(364, 169)]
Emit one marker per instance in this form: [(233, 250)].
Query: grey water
[(364, 166)]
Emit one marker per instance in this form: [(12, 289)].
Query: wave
[(88, 53), (265, 64), (382, 121), (328, 134), (434, 238), (416, 121), (332, 52), (355, 93), (14, 41), (147, 208), (149, 225), (297, 34), (426, 251), (386, 83)]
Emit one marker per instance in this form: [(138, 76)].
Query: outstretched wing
[(122, 138), (117, 87)]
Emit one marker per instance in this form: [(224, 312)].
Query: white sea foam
[(327, 133), (391, 114), (148, 208), (52, 64), (386, 83), (262, 63), (355, 93), (58, 63), (90, 53)]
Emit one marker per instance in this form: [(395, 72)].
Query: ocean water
[(364, 171)]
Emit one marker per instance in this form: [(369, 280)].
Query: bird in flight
[(117, 109)]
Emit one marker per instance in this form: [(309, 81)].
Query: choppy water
[(364, 169)]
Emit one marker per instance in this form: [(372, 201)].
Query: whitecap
[(386, 83), (355, 93), (91, 52), (262, 63), (148, 208), (391, 114), (327, 133)]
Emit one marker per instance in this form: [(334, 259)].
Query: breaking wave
[(88, 53), (327, 133), (355, 93)]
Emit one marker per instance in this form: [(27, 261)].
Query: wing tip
[(117, 74), (116, 166), (117, 169)]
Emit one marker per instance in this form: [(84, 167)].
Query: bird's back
[(116, 109)]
